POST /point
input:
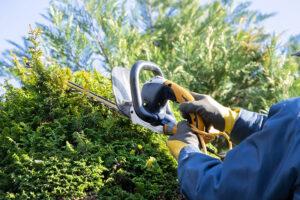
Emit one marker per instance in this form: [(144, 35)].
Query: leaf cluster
[(60, 144)]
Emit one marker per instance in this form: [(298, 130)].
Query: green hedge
[(59, 144)]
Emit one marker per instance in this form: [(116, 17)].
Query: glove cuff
[(175, 147), (230, 119)]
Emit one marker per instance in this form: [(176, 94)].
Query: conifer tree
[(219, 49)]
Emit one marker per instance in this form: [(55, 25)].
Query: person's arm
[(246, 124), (263, 166)]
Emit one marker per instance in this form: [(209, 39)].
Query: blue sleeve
[(246, 124), (265, 165)]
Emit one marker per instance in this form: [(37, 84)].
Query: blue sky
[(287, 18), (16, 15)]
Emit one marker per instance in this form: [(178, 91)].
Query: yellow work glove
[(184, 136), (213, 113)]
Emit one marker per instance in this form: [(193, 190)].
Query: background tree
[(293, 45), (218, 49)]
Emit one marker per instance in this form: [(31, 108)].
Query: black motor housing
[(151, 105), (155, 96)]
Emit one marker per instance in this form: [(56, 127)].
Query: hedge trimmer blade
[(101, 99)]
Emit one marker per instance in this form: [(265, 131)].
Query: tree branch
[(150, 13), (98, 37)]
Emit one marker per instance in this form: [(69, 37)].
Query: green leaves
[(56, 143)]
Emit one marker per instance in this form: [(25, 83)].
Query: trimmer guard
[(121, 89), (120, 78), (125, 84)]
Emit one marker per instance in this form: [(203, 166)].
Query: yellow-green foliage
[(58, 144)]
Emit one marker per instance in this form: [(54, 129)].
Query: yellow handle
[(184, 96)]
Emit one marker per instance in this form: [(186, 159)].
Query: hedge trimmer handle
[(181, 96), (151, 102)]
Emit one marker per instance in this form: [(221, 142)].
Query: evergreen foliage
[(19, 51), (219, 49), (59, 144), (293, 44)]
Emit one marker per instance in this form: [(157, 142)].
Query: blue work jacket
[(265, 165)]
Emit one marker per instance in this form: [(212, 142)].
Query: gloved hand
[(184, 136), (211, 111)]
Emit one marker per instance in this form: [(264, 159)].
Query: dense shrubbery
[(55, 143), (59, 144)]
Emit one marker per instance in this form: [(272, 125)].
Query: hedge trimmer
[(149, 106)]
